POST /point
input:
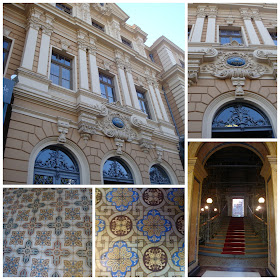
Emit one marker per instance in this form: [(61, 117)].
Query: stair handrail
[(260, 219), (259, 225), (215, 217), (213, 225)]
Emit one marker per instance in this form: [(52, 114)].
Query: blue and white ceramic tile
[(47, 232), (139, 232)]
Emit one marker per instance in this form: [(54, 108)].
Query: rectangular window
[(182, 63), (274, 37), (61, 70), (227, 36), (98, 25), (143, 103), (237, 207), (6, 49), (151, 57), (189, 31), (107, 87), (126, 42), (64, 8)]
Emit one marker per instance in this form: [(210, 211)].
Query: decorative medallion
[(154, 226), (98, 196), (99, 225), (153, 196), (121, 225), (27, 251), (178, 258), (122, 198), (236, 61), (177, 196), (118, 122), (180, 224), (119, 259), (39, 268), (155, 259), (11, 265)]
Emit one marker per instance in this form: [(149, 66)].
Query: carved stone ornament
[(119, 144), (146, 145), (107, 65), (159, 151), (64, 44), (62, 127), (192, 77), (103, 8), (86, 129), (223, 70), (107, 126), (141, 81)]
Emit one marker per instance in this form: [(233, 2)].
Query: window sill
[(61, 89)]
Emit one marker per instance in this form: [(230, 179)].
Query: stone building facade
[(93, 103), (232, 70)]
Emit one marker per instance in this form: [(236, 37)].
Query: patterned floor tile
[(139, 232), (47, 232)]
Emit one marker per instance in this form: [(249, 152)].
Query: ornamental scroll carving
[(126, 133), (223, 68)]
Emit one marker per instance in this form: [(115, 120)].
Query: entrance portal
[(237, 207)]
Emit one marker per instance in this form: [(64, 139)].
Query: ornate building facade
[(232, 69), (93, 104)]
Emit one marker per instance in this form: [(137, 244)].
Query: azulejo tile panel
[(47, 232), (139, 232)]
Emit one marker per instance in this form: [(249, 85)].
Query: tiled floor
[(209, 273), (139, 232), (47, 232)]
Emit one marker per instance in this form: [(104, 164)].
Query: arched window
[(55, 165), (115, 171), (241, 120), (158, 176)]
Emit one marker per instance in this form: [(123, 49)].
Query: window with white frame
[(64, 8), (61, 70), (143, 102), (6, 50), (107, 87), (126, 42), (227, 36), (98, 25)]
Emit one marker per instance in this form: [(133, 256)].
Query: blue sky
[(168, 20)]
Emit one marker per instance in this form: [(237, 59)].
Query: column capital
[(256, 14), (120, 63), (48, 30), (212, 11), (33, 18), (200, 12), (82, 45), (92, 50), (246, 14)]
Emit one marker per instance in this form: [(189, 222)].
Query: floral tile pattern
[(47, 232), (139, 232)]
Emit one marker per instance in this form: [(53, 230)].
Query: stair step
[(235, 248)]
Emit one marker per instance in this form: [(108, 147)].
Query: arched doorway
[(116, 171), (56, 165), (158, 176), (241, 120), (205, 182)]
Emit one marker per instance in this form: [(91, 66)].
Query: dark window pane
[(67, 62), (110, 92), (66, 84), (223, 32), (55, 79), (225, 40), (66, 74), (239, 40), (5, 44), (54, 69), (102, 88)]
